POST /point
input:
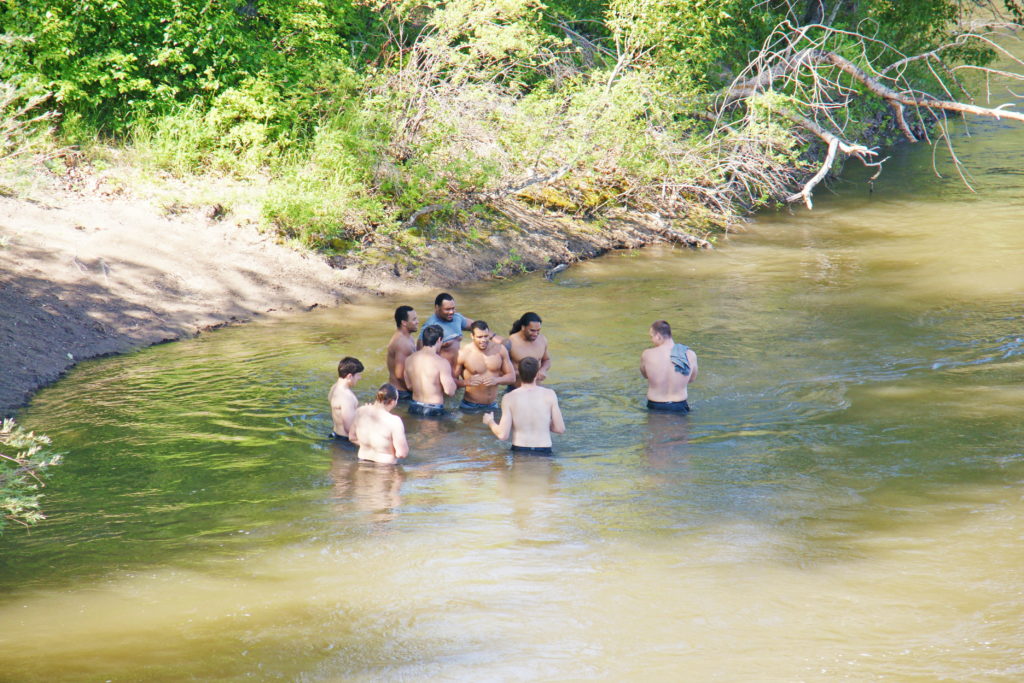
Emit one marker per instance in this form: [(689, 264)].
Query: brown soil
[(84, 275)]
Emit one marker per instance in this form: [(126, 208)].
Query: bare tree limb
[(880, 89), (805, 193)]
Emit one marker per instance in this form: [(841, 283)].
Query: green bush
[(363, 112), (24, 459)]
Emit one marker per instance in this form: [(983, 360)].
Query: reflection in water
[(528, 482), (666, 438), (369, 487)]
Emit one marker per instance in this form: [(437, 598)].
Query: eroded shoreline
[(86, 276)]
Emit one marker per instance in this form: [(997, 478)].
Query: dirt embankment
[(85, 275)]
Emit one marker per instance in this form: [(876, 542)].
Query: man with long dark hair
[(525, 340)]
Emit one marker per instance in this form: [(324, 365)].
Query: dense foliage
[(23, 458), (364, 112)]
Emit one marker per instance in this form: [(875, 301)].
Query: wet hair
[(528, 369), (387, 393), (431, 334), (441, 298), (479, 325), (402, 314), (660, 327), (349, 366), (525, 320)]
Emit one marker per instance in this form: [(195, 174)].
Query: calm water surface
[(845, 502)]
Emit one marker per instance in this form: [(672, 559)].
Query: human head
[(528, 368), (529, 323), (661, 329), (444, 306), (407, 315), (481, 334), (349, 366), (432, 335), (387, 394)]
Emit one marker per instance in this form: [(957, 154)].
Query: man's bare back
[(529, 414), (428, 375), (665, 384), (379, 434)]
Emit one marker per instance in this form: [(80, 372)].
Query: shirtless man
[(529, 414), (429, 375), (379, 434), (525, 340), (341, 397), (452, 324), (481, 367), (400, 347), (669, 368)]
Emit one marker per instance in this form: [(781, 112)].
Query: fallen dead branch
[(813, 84)]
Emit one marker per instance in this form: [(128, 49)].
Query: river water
[(845, 501)]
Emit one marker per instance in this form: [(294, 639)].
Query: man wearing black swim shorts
[(481, 368), (529, 414), (668, 368), (429, 376)]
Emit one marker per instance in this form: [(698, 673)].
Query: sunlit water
[(845, 501)]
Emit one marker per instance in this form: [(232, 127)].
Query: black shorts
[(342, 439), (535, 450), (681, 407), (471, 407), (426, 409)]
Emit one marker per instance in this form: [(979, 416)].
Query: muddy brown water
[(844, 501)]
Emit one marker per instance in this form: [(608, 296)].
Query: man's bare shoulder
[(341, 395)]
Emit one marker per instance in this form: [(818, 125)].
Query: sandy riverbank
[(87, 274)]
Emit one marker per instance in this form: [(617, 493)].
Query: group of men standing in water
[(424, 369)]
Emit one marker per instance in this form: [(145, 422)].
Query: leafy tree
[(108, 62)]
